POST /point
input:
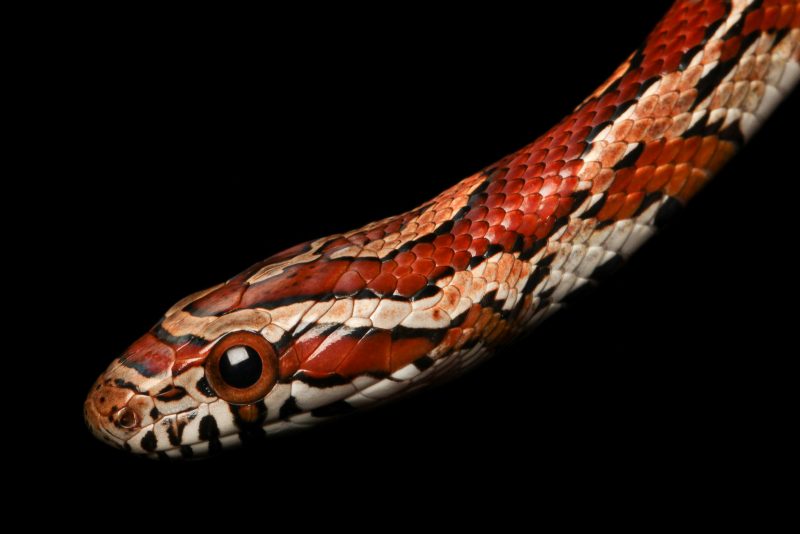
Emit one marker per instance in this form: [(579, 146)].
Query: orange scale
[(589, 108), (654, 69), (476, 229), (528, 225), (660, 176), (556, 154), (405, 258), (288, 364), (673, 60), (513, 201), (641, 178), (423, 250), (220, 300), (423, 266), (531, 203), (513, 220), (604, 114), (630, 204), (388, 266), (408, 285), (680, 175), (368, 269), (697, 179), (770, 19), (707, 148), (329, 355), (562, 138), (628, 93), (372, 354), (730, 48), (514, 176), (491, 237), (358, 239), (544, 228), (579, 134), (788, 18), (495, 215), (626, 181), (612, 205), (574, 151), (349, 283), (443, 241), (461, 260), (582, 124), (554, 167), (443, 256), (550, 186), (689, 148), (393, 227), (478, 213), (507, 240), (402, 271), (650, 153), (696, 36), (753, 22), (537, 156), (383, 284), (515, 186), (724, 152), (532, 186), (531, 175), (307, 343), (407, 350), (564, 206), (496, 186), (495, 200), (548, 206), (463, 242), (472, 316), (460, 227), (481, 245), (520, 158), (568, 186)]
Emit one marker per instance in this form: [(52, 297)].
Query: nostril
[(126, 418)]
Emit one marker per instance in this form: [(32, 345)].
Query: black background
[(182, 160)]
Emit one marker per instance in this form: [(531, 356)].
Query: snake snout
[(111, 413)]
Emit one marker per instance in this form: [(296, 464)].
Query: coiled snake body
[(350, 320)]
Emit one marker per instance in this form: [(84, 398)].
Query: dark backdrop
[(184, 160)]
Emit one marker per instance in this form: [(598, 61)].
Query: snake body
[(350, 320)]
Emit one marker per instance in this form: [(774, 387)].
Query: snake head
[(186, 394), (307, 335)]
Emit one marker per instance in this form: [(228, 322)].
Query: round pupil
[(240, 366)]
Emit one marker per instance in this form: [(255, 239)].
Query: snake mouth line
[(212, 445)]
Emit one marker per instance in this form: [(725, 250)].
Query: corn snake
[(348, 320)]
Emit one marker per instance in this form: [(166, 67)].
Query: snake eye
[(242, 367)]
